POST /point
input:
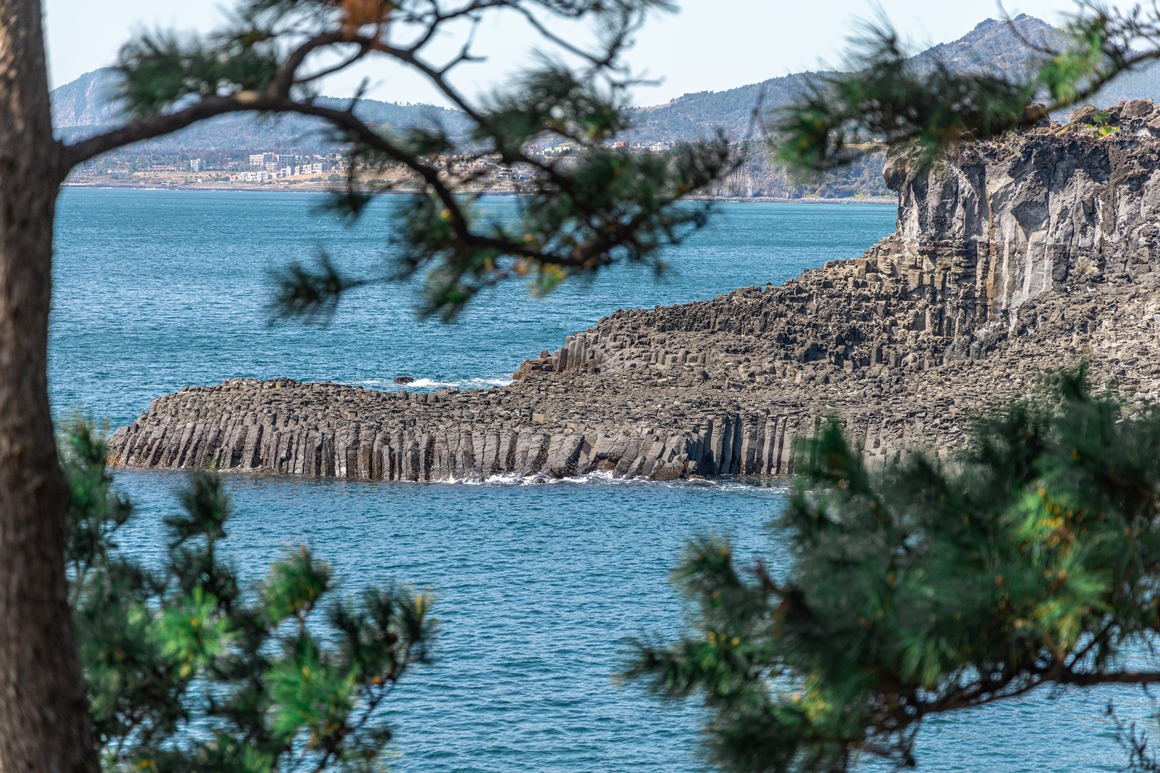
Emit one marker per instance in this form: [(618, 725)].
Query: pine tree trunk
[(43, 716)]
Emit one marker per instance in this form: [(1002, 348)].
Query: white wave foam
[(608, 479), (430, 383), (512, 479), (471, 383)]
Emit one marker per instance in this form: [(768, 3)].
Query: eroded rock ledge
[(1013, 258)]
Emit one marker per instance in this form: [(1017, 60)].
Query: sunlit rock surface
[(1011, 258)]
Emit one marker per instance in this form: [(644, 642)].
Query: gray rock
[(1085, 114), (1010, 258)]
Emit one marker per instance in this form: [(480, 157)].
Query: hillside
[(692, 116), (87, 105), (991, 45)]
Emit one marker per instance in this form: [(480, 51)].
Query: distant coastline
[(892, 200), (512, 194)]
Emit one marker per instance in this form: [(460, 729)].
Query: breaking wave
[(773, 485), (431, 384)]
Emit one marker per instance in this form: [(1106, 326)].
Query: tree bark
[(44, 722)]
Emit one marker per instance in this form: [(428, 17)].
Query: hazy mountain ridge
[(731, 111), (87, 106), (86, 102), (990, 45), (993, 46)]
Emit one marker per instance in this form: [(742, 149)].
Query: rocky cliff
[(1010, 258)]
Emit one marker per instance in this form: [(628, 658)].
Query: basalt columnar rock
[(1011, 258)]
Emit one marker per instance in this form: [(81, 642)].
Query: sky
[(709, 45)]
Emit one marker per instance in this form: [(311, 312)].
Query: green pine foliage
[(918, 588), (189, 670)]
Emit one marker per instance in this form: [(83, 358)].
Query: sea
[(541, 589)]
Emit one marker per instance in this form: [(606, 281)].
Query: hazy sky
[(709, 45)]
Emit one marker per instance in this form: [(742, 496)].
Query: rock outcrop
[(1010, 258)]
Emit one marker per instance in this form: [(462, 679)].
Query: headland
[(1011, 258)]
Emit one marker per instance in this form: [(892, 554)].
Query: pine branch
[(1028, 562)]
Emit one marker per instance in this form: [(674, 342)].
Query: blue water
[(159, 289), (539, 587)]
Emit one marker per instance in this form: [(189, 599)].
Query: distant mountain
[(993, 46), (87, 106), (990, 46), (695, 116), (86, 102)]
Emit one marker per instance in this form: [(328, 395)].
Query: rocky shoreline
[(1011, 258)]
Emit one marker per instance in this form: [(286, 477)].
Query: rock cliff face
[(1010, 258)]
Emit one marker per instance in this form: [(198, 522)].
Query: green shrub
[(188, 669), (1029, 563)]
